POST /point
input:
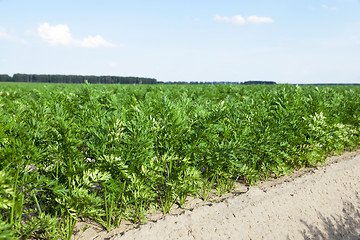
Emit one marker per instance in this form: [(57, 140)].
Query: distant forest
[(56, 78), (45, 78)]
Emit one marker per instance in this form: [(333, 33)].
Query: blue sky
[(287, 41)]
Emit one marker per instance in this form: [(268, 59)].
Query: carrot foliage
[(111, 153)]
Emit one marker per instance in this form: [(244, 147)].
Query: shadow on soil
[(342, 226)]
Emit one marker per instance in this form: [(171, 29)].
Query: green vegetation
[(111, 152)]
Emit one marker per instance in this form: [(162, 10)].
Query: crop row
[(110, 153)]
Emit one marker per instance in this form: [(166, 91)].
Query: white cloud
[(55, 35), (238, 19), (258, 20), (60, 35), (93, 42), (4, 35)]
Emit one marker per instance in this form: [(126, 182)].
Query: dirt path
[(318, 203)]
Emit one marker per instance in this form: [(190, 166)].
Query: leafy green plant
[(114, 201), (6, 193), (113, 152)]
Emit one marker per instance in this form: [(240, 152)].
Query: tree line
[(47, 78), (251, 82), (57, 78)]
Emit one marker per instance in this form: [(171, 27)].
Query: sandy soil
[(313, 203)]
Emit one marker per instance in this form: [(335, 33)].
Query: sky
[(286, 41)]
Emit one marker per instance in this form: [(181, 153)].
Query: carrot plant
[(114, 152)]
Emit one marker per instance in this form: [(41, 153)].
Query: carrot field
[(109, 153)]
